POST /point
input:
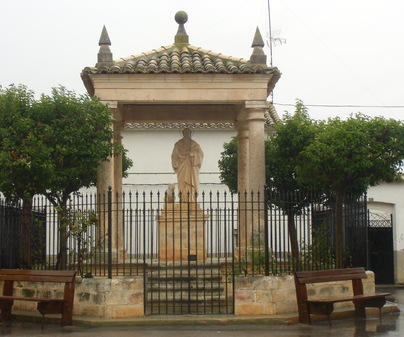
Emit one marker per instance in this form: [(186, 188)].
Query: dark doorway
[(381, 258)]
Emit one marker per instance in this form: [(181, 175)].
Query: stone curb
[(287, 319)]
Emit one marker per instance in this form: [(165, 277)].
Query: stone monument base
[(182, 233)]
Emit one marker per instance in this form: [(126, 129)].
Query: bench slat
[(347, 299), (32, 299), (331, 278), (319, 276), (37, 272), (37, 278), (37, 275)]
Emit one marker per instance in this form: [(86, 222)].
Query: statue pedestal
[(182, 234)]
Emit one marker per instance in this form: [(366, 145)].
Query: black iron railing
[(247, 234)]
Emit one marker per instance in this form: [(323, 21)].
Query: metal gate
[(190, 264), (381, 258)]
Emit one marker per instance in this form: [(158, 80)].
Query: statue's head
[(187, 132)]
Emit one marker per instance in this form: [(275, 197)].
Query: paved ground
[(391, 325)]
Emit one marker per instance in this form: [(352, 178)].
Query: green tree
[(24, 155), (53, 146), (80, 133), (348, 156), (282, 157), (344, 157)]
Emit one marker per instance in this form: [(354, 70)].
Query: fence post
[(109, 232), (266, 231), (365, 200)]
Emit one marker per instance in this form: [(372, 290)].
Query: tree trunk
[(294, 244), (61, 263), (339, 231), (26, 229)]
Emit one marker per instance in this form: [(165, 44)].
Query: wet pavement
[(390, 325)]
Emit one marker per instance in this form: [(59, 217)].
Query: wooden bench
[(325, 306), (63, 306)]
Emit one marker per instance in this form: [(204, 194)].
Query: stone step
[(186, 285), (193, 265), (185, 296), (202, 307), (189, 289), (203, 291), (183, 277)]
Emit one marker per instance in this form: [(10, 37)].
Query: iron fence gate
[(381, 255), (189, 253)]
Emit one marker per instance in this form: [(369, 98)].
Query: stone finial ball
[(181, 17)]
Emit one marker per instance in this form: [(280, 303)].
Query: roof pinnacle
[(104, 55), (181, 18), (258, 56), (104, 39)]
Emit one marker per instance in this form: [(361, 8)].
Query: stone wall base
[(273, 295), (123, 297), (116, 298)]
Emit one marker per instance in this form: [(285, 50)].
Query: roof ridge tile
[(180, 59)]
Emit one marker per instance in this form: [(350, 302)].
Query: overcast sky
[(337, 52)]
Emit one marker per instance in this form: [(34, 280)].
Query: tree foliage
[(23, 154), (228, 165), (283, 149), (24, 151), (80, 134), (340, 156), (350, 155), (282, 152), (282, 157), (51, 146)]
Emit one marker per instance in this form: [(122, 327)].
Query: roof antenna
[(270, 35), (271, 39)]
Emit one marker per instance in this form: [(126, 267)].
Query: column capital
[(241, 125), (243, 131), (253, 110), (257, 105)]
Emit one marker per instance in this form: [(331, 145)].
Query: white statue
[(186, 160)]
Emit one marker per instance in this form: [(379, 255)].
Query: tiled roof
[(182, 60)]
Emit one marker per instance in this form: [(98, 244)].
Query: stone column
[(243, 156), (243, 178), (252, 150), (118, 128), (255, 117), (106, 170), (109, 175), (117, 207)]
